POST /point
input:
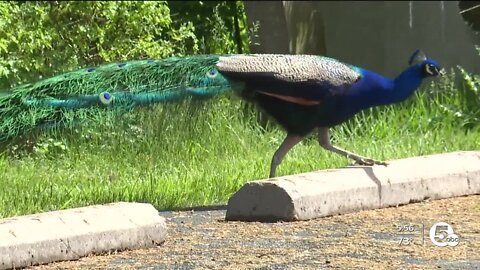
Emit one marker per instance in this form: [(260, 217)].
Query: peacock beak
[(442, 72)]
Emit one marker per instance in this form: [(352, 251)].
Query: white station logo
[(442, 235)]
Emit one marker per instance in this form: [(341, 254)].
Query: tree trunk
[(271, 37), (306, 28)]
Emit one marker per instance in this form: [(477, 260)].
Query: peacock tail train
[(68, 98)]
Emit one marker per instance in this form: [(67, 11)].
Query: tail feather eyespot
[(106, 98), (212, 73)]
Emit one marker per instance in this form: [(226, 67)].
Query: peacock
[(302, 93)]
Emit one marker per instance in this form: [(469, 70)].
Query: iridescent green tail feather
[(71, 97)]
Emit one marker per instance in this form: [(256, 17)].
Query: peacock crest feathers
[(417, 57)]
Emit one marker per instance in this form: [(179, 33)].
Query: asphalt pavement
[(389, 238)]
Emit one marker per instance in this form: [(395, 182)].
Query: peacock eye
[(106, 98), (430, 69), (212, 73)]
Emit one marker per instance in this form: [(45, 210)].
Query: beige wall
[(375, 35)]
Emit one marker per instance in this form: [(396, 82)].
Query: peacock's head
[(428, 67)]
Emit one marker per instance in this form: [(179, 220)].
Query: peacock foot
[(360, 161)]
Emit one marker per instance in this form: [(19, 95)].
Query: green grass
[(172, 157)]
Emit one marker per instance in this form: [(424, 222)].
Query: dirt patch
[(364, 240)]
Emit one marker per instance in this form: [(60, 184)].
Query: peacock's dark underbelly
[(301, 120)]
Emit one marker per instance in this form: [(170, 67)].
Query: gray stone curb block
[(74, 233), (338, 191)]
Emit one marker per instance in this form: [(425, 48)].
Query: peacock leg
[(324, 139), (288, 143)]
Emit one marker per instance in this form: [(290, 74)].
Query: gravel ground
[(364, 240)]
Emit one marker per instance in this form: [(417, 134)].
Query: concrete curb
[(74, 233), (329, 192)]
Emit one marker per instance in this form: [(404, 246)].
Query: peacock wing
[(302, 79)]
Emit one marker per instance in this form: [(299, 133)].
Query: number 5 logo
[(441, 235)]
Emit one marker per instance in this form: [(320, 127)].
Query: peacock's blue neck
[(374, 89), (406, 84)]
